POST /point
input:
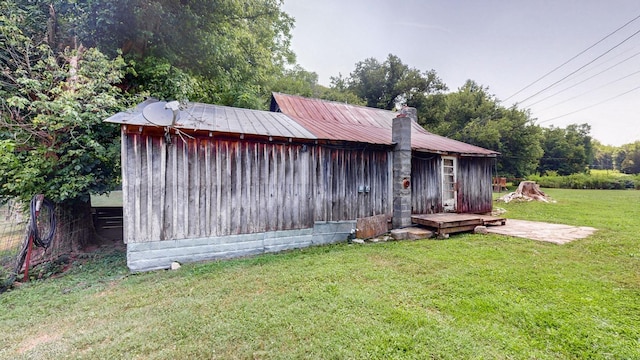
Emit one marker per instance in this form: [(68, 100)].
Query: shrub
[(587, 181)]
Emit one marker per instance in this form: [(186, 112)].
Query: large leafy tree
[(630, 164), (62, 75), (603, 156), (566, 151), (219, 51), (298, 81), (473, 115), (54, 95), (386, 84)]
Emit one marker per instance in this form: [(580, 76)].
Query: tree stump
[(527, 191)]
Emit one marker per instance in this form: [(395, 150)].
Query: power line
[(583, 66), (592, 90), (587, 79), (592, 105), (574, 57)]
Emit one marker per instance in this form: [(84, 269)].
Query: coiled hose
[(45, 241)]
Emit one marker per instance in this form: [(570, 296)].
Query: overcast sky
[(504, 45)]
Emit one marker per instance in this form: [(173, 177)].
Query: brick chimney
[(401, 136)]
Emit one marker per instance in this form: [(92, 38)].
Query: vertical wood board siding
[(204, 187), (474, 185), (340, 174), (426, 184)]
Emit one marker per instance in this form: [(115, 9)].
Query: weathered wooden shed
[(204, 182)]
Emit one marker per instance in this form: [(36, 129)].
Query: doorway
[(449, 185)]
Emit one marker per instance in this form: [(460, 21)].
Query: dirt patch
[(36, 341), (540, 231)]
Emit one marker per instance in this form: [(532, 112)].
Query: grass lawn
[(471, 296)]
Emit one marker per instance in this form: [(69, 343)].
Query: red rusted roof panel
[(331, 120)]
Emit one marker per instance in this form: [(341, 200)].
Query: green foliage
[(53, 104), (566, 151), (586, 181), (224, 51), (630, 164), (474, 116), (472, 296), (603, 156), (297, 81), (157, 77), (384, 85)]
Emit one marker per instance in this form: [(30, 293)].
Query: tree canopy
[(53, 105), (384, 85), (53, 101)]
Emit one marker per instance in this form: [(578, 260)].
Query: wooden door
[(449, 188)]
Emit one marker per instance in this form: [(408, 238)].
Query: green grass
[(599, 172), (471, 296), (114, 198)]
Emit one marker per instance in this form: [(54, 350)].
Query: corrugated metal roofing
[(331, 120), (300, 118), (198, 116)]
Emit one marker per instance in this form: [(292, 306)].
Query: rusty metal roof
[(331, 120), (224, 119), (294, 117)]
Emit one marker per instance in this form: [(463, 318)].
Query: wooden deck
[(449, 223)]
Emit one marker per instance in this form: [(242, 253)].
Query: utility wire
[(582, 67), (573, 58), (587, 79), (592, 105), (590, 91)]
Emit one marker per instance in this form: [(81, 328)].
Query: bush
[(587, 181)]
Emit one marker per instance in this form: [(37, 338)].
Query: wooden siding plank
[(146, 185), (128, 197), (209, 187), (273, 189), (280, 185), (219, 191), (137, 168), (474, 185), (246, 217), (171, 203), (208, 176), (228, 186), (193, 189)]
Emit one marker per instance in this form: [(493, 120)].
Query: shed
[(203, 182)]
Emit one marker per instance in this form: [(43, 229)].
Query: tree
[(566, 151), (383, 85), (603, 156), (297, 81), (217, 51), (224, 51), (519, 143), (631, 162), (473, 115), (53, 103)]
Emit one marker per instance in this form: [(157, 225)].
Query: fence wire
[(13, 232), (19, 224)]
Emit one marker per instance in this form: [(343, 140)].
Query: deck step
[(450, 223)]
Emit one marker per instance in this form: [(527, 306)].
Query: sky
[(503, 45)]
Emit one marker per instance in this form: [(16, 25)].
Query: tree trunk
[(527, 191), (74, 233)]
